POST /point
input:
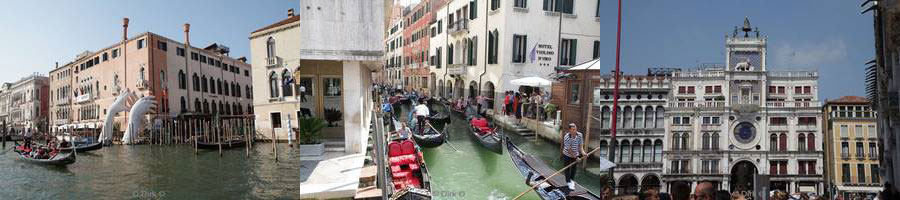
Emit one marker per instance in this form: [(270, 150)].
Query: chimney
[(290, 12)]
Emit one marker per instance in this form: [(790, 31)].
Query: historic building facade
[(727, 123), (303, 71), (884, 89), (27, 104), (851, 147)]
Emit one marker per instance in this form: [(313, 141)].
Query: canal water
[(156, 172), (473, 172)]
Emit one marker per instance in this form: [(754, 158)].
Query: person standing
[(422, 113), (572, 149), (303, 93), (27, 137)]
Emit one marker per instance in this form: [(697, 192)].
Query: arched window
[(657, 151), (221, 108), (227, 88), (214, 108), (639, 117), (811, 142), (604, 149), (636, 151), (203, 84), (218, 86), (196, 83), (197, 106), (605, 112), (782, 142), (705, 141), (182, 82), (183, 105), (648, 151), (628, 115), (625, 155), (270, 48), (287, 88), (660, 114), (205, 106), (685, 137), (801, 141), (773, 142), (676, 141), (141, 75), (273, 85), (648, 117), (714, 143)]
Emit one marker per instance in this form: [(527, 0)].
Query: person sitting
[(480, 124)]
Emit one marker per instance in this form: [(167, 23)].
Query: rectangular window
[(596, 53), (844, 131), (845, 173), (105, 56), (161, 45), (806, 121), (873, 133), (874, 171), (520, 4), (495, 4), (575, 93), (859, 150), (858, 132), (873, 150), (202, 59), (567, 55), (179, 51), (778, 121), (519, 45), (681, 120), (861, 173), (845, 149), (276, 119), (195, 56), (140, 44), (493, 42), (115, 53)]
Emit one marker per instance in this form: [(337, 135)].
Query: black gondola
[(431, 137), (535, 171), (225, 144), (60, 159), (439, 118), (489, 136), (84, 147)]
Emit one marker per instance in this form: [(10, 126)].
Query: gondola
[(535, 171), (439, 118), (431, 138), (489, 136), (60, 159), (84, 147), (225, 144), (408, 172)]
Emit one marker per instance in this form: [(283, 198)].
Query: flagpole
[(615, 109)]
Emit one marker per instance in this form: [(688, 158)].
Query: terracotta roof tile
[(850, 99), (280, 23)]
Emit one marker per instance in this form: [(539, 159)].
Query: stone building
[(883, 88), (726, 124), (27, 104), (851, 147)]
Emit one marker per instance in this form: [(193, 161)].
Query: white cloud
[(808, 55)]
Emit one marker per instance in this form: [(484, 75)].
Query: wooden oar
[(446, 137), (555, 173)]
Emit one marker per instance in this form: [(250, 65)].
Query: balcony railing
[(697, 74), (459, 26), (697, 104), (83, 98), (794, 74), (793, 104), (142, 85), (456, 69), (273, 61)]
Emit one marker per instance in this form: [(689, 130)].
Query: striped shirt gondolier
[(572, 145)]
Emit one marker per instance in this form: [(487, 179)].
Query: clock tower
[(746, 52)]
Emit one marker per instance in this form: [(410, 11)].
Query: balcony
[(793, 104), (794, 74), (697, 104), (459, 26), (698, 74), (273, 62), (142, 85), (83, 98)]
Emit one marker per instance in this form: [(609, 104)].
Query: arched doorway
[(431, 85), (742, 174), (448, 91), (628, 184), (473, 89), (650, 181), (440, 89), (489, 94), (460, 89)]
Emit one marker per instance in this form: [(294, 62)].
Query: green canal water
[(156, 172), (473, 172)]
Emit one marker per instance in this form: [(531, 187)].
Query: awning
[(531, 81), (593, 64)]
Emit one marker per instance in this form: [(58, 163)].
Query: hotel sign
[(543, 55)]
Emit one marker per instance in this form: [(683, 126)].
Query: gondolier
[(421, 115), (572, 149)]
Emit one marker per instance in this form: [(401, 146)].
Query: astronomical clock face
[(745, 132)]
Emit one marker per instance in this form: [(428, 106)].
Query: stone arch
[(628, 184)]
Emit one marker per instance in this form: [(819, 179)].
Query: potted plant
[(309, 131)]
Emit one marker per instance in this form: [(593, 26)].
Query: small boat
[(440, 118), (431, 137), (536, 171), (58, 159), (225, 144), (489, 137), (84, 147), (408, 173)]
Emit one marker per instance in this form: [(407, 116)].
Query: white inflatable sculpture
[(135, 118), (123, 102)]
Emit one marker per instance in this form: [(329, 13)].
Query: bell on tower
[(747, 53), (746, 27)]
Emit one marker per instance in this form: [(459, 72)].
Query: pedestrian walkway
[(334, 175)]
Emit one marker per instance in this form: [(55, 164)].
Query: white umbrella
[(531, 81)]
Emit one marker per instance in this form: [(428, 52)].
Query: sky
[(36, 34), (830, 36)]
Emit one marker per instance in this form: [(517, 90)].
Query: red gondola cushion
[(395, 168), (402, 174), (414, 166), (408, 147), (394, 149)]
